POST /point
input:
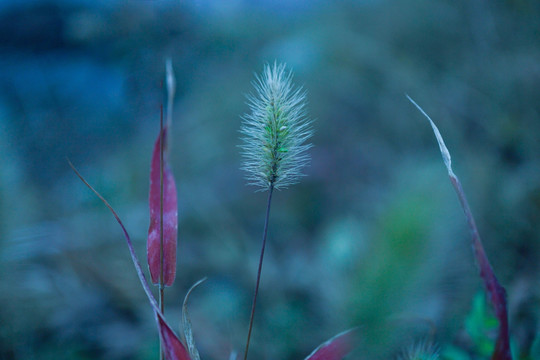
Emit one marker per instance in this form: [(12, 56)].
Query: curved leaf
[(173, 347), (186, 324), (495, 292)]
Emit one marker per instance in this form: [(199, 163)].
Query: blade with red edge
[(172, 346), (170, 218), (334, 349), (496, 293)]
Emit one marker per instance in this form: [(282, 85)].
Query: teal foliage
[(481, 325), (373, 237)]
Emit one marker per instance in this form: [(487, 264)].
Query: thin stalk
[(496, 293), (161, 257), (271, 190)]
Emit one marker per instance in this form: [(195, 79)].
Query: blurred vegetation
[(373, 237)]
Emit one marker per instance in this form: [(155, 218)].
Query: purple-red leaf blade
[(172, 344), (170, 218), (334, 349), (496, 293), (134, 257)]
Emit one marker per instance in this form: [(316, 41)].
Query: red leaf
[(495, 292), (334, 349), (170, 218), (172, 346)]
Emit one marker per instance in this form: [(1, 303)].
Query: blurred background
[(373, 237)]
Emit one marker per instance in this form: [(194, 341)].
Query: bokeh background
[(372, 237)]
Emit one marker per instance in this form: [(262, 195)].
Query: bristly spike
[(274, 149), (275, 131)]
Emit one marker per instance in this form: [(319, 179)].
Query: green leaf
[(481, 325)]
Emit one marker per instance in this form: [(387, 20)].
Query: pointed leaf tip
[(170, 218), (495, 292), (336, 348), (173, 348), (134, 257), (442, 146), (171, 81), (186, 323)]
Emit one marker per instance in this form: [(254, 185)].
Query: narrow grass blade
[(495, 292), (134, 257), (170, 218), (334, 349), (186, 324), (174, 348)]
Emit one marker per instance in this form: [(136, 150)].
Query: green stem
[(271, 190)]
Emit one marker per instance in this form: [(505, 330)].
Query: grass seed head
[(275, 130)]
